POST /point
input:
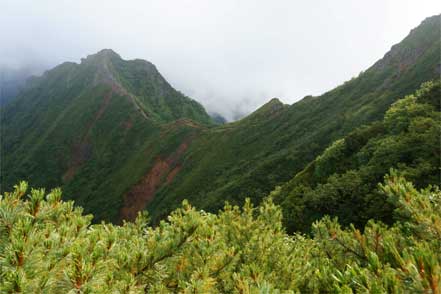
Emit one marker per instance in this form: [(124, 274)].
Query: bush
[(48, 246)]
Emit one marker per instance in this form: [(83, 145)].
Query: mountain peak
[(405, 54), (275, 101), (273, 105), (432, 19), (270, 109), (101, 57), (106, 53)]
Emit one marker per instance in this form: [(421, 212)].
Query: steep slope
[(94, 128), (342, 181), (250, 157)]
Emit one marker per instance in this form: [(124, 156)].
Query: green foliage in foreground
[(48, 246)]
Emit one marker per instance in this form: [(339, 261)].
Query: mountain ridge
[(94, 140), (80, 121), (241, 159)]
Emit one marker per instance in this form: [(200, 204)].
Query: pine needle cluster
[(48, 246)]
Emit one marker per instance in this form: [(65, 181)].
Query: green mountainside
[(118, 138), (50, 246), (94, 128), (248, 158), (347, 184), (342, 181)]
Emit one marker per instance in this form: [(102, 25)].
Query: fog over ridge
[(232, 56)]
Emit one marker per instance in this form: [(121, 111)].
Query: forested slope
[(342, 180), (95, 128), (250, 157)]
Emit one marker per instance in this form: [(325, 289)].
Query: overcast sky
[(230, 55)]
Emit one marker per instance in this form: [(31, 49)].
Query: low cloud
[(230, 55)]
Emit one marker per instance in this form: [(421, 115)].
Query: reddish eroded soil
[(101, 110), (164, 170), (82, 151), (173, 174)]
